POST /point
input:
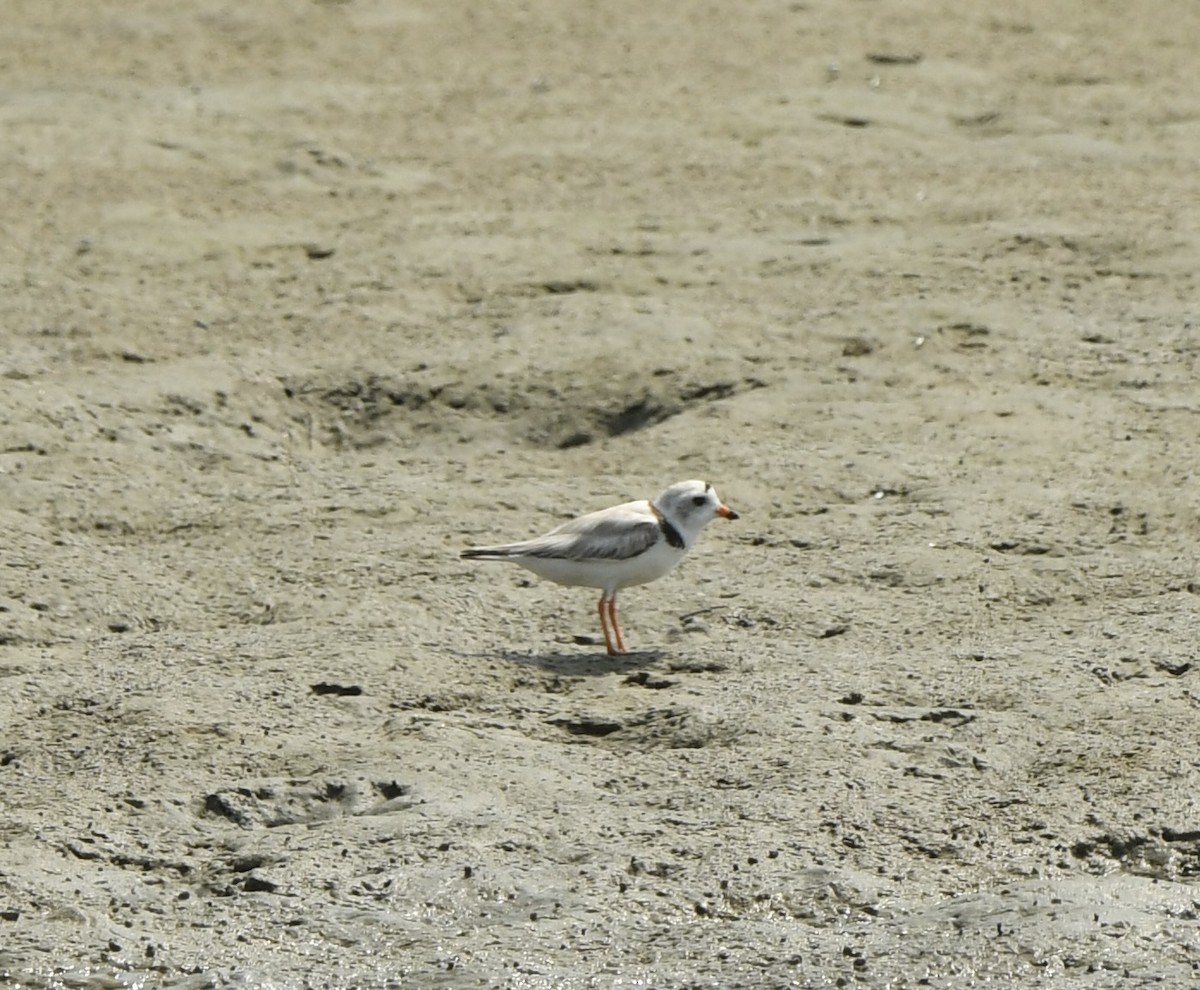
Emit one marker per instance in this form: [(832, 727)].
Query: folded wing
[(601, 536)]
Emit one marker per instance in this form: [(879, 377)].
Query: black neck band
[(670, 532)]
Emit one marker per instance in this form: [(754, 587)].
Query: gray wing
[(583, 539), (598, 539)]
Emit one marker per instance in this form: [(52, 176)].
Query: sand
[(299, 299)]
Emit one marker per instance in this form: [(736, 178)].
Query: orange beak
[(726, 512)]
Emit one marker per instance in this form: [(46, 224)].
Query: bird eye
[(699, 500)]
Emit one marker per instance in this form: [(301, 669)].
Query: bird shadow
[(583, 664)]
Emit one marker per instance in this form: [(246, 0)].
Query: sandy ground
[(298, 299)]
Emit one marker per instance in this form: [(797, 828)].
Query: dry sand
[(298, 299)]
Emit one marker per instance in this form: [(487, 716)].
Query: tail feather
[(486, 553)]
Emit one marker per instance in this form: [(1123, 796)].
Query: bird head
[(690, 506)]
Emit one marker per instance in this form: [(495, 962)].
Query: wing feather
[(618, 533), (604, 539)]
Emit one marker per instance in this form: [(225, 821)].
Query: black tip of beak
[(730, 514)]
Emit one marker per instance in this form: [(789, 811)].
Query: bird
[(619, 547)]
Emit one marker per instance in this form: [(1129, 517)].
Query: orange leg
[(614, 642), (608, 643), (612, 618)]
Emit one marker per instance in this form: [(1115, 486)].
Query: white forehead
[(690, 489)]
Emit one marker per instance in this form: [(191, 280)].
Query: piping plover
[(616, 548)]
